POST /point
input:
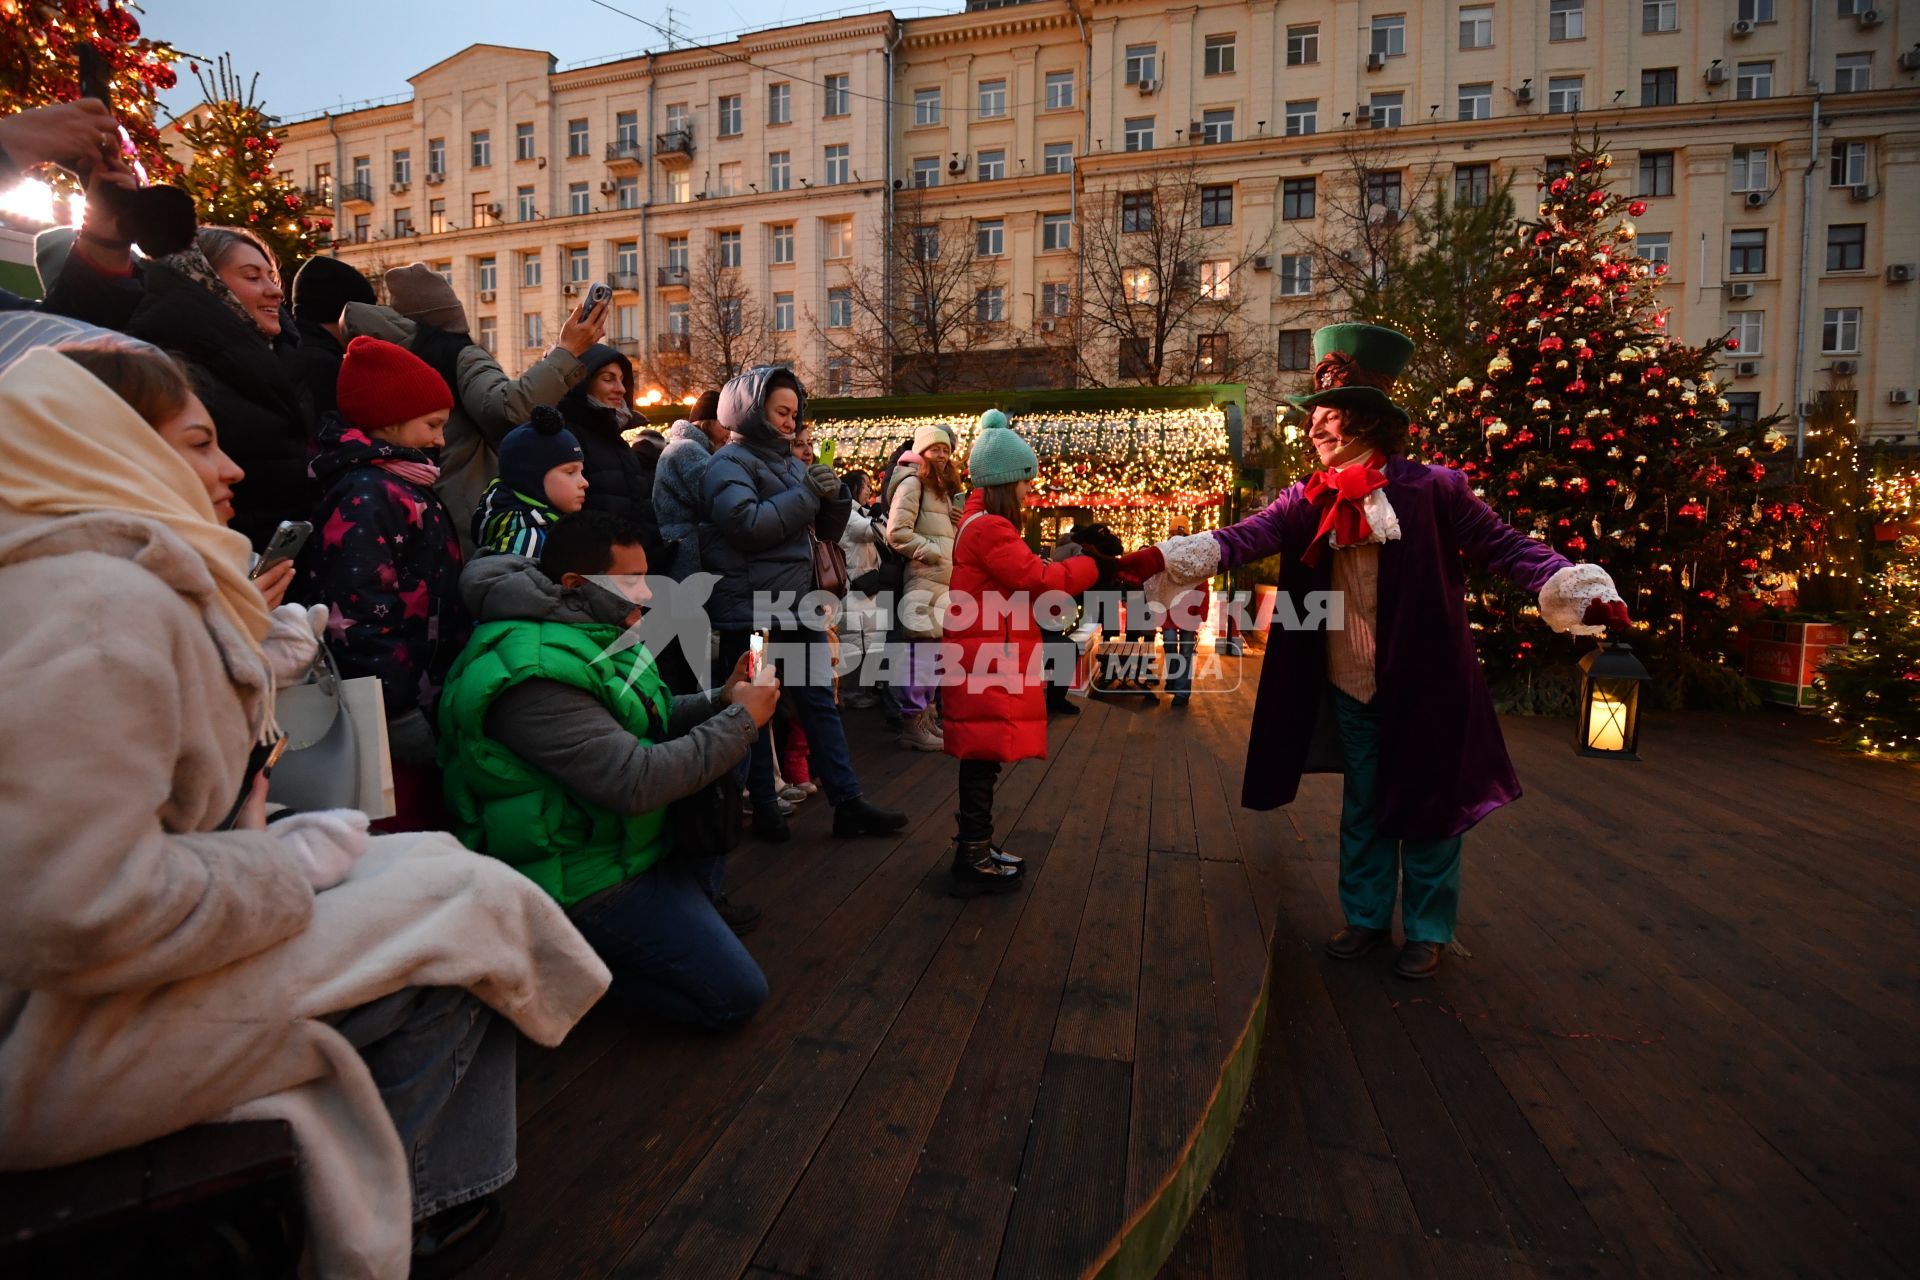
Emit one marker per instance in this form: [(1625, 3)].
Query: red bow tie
[(1339, 494)]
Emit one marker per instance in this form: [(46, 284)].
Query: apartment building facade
[(1777, 143)]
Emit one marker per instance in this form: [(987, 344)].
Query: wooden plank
[(1170, 824), (1177, 1046), (1072, 1183)]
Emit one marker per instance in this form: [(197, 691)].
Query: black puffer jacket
[(316, 365), (759, 508), (248, 385), (617, 481)]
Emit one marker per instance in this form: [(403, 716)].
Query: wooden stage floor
[(1685, 1041)]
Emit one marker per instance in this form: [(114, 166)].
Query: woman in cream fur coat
[(166, 957)]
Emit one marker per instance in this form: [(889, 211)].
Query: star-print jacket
[(385, 561)]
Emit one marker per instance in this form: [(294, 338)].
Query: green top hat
[(1353, 367)]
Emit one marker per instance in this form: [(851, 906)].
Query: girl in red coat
[(994, 705)]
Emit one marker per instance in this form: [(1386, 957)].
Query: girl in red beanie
[(385, 558)]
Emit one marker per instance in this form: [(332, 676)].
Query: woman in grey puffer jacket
[(764, 508)]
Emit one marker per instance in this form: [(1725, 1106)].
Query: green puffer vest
[(506, 808)]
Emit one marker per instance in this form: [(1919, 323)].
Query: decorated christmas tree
[(232, 179), (1585, 424), (1871, 689), (40, 44)]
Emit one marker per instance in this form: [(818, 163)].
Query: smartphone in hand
[(285, 544), (597, 293)]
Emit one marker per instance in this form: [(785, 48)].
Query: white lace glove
[(292, 641), (1191, 558), (1564, 600), (327, 843)]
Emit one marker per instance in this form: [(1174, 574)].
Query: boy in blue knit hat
[(542, 478)]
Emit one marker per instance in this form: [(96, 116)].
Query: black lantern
[(1610, 680)]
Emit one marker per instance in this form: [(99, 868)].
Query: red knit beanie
[(383, 385)]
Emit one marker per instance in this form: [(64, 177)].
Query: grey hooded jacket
[(567, 733), (759, 509), (677, 500)]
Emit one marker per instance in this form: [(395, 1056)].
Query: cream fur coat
[(155, 973)]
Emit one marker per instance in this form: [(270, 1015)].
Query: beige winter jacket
[(156, 973), (920, 527)]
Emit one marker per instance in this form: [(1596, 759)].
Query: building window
[(363, 177), (1564, 92), (728, 244), (489, 333), (1659, 15), (783, 313), (402, 223), (1566, 19), (1143, 64), (839, 238), (1840, 331), (523, 141), (1754, 11), (437, 155), (990, 238), (402, 168), (992, 165), (839, 165), (1847, 246), (1296, 348), (1747, 253), (839, 375), (926, 243), (626, 323), (1853, 73), (1656, 247), (1216, 126), (1056, 298), (1472, 184), (1383, 188), (779, 171), (1211, 355), (1136, 211), (579, 199), (1476, 102), (1476, 26), (1216, 279), (436, 216), (362, 228), (482, 148), (577, 267), (1297, 198), (993, 99), (1137, 285), (444, 270), (1749, 330), (1387, 110), (535, 330), (926, 171), (1388, 36), (523, 208), (1216, 206), (679, 318), (1303, 117), (1296, 275), (989, 305), (926, 106), (677, 254), (1557, 165), (626, 258), (1660, 87), (1057, 157), (731, 178), (1136, 358), (485, 213), (1847, 165), (1742, 406), (1656, 173), (838, 97), (839, 309), (577, 138), (626, 193), (1059, 90), (1056, 231), (1303, 45), (780, 105), (1218, 56), (731, 116), (780, 241), (1752, 80), (1750, 169), (1139, 134), (530, 270)]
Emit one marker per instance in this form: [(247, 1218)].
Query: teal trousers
[(1372, 866)]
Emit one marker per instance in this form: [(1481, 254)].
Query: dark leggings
[(976, 798)]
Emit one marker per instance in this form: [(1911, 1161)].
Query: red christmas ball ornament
[(1558, 186), (1659, 268), (1733, 344), (1576, 544), (1585, 166), (1563, 523), (1577, 387), (1594, 299), (1544, 237), (1564, 432), (1513, 302), (1620, 289), (1637, 207), (1596, 197)]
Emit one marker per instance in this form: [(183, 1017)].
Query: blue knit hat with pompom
[(999, 455)]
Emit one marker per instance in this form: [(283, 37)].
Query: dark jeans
[(1179, 650), (975, 816), (671, 954), (444, 1067), (827, 754)]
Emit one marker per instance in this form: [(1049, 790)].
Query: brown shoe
[(1355, 941), (1418, 960)]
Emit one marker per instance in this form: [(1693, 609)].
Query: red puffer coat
[(998, 709)]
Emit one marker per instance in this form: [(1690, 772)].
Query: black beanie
[(324, 286), (535, 448)]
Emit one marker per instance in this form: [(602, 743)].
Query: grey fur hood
[(501, 588), (743, 405)]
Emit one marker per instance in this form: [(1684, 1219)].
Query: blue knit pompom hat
[(535, 448), (999, 455)]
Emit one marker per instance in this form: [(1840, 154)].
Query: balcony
[(625, 346), (625, 154), (623, 281), (670, 342), (675, 146), (356, 194), (671, 277), (320, 197)]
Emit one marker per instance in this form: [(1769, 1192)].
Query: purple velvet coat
[(1443, 763)]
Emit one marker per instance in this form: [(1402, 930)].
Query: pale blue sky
[(313, 56)]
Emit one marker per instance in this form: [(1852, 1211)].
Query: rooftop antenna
[(673, 36)]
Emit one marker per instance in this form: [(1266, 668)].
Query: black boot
[(856, 817), (771, 825), (975, 871)]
